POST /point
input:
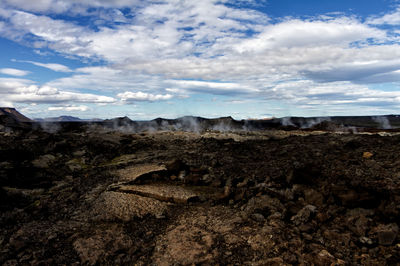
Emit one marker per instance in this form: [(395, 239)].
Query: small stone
[(365, 240), (307, 227), (325, 258), (227, 191), (358, 225), (174, 165), (75, 164), (10, 262), (274, 261), (79, 153), (304, 215), (275, 216), (52, 236), (322, 217), (6, 165), (314, 197), (182, 175), (264, 204), (367, 155), (44, 161), (387, 233), (242, 184), (206, 178), (258, 217), (348, 198), (160, 216)]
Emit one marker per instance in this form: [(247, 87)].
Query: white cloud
[(14, 72), (143, 96), (58, 6), (8, 85), (64, 37), (188, 28), (339, 94), (52, 66), (392, 18), (70, 108), (37, 5), (24, 91), (298, 33), (34, 94), (46, 90), (221, 88), (107, 79), (4, 103), (174, 90), (204, 47)]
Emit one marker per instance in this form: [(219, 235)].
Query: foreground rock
[(82, 197)]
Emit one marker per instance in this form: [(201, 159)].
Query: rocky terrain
[(82, 195)]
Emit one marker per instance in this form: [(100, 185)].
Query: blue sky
[(245, 58)]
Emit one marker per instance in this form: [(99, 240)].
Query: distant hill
[(196, 124), (119, 121), (185, 123), (13, 114), (65, 118), (11, 117)]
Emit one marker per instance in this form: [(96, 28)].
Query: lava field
[(86, 196)]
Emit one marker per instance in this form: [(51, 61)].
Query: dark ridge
[(10, 117), (13, 114), (63, 118)]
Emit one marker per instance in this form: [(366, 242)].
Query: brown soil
[(266, 198)]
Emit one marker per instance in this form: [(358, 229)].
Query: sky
[(210, 58)]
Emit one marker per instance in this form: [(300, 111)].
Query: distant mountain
[(119, 121), (65, 118), (185, 123)]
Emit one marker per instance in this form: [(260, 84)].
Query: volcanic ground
[(83, 195)]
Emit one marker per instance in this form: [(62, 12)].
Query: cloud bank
[(165, 50)]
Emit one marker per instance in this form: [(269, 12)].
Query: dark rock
[(353, 198), (386, 234), (264, 205), (325, 258), (304, 215), (44, 161), (258, 217), (358, 224), (313, 197), (175, 166)]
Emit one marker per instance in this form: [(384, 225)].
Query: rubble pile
[(272, 198)]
